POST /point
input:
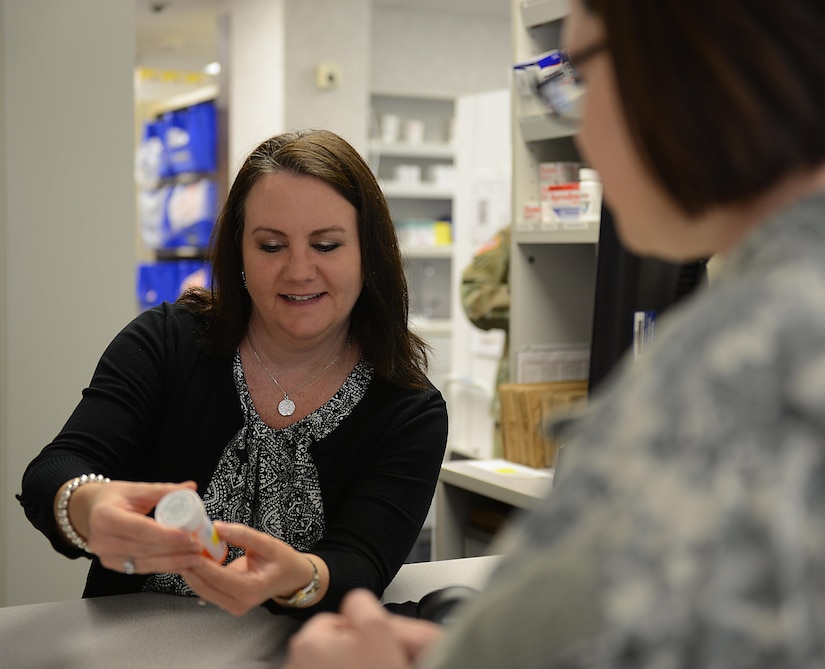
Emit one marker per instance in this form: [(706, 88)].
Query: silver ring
[(129, 566)]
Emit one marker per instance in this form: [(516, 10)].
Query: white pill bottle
[(183, 509), (590, 196)]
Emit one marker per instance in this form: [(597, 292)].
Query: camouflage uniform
[(686, 527), (485, 296)]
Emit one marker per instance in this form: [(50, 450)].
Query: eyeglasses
[(563, 89)]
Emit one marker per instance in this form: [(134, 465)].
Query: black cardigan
[(157, 409)]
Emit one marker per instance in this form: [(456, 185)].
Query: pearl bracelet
[(63, 506)]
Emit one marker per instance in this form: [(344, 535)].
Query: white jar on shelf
[(590, 195), (390, 127)]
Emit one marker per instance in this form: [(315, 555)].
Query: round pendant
[(286, 407)]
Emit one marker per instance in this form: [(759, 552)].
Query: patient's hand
[(363, 636)]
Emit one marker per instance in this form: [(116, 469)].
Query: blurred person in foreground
[(686, 525)]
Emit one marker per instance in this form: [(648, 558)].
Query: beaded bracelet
[(63, 506)]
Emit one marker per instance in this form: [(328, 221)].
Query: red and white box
[(561, 206)]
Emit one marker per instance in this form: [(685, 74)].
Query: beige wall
[(427, 52), (271, 70), (4, 503), (255, 75), (68, 245), (329, 31)]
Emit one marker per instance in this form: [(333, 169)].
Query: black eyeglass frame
[(578, 59)]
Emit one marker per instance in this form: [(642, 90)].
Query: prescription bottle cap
[(588, 174), (181, 509)]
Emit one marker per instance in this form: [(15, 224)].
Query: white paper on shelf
[(540, 364)]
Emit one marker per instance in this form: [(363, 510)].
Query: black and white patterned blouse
[(266, 478)]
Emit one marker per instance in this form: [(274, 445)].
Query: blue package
[(152, 206), (190, 139), (189, 215), (156, 283), (151, 163), (165, 280)]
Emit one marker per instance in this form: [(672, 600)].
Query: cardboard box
[(525, 408)]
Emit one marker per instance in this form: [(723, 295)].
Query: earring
[(243, 276)]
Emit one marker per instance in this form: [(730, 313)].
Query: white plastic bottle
[(183, 509), (590, 195)]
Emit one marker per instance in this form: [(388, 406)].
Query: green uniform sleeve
[(485, 288)]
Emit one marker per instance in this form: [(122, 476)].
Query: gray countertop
[(156, 630)]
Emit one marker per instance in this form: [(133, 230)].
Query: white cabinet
[(552, 273), (412, 153), (482, 208)]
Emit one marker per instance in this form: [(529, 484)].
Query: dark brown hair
[(723, 97), (379, 321)]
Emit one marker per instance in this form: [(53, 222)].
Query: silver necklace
[(286, 407)]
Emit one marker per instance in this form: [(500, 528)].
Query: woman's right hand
[(112, 518)]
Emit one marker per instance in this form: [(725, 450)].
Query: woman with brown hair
[(291, 395), (686, 524)]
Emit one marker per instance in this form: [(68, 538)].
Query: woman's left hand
[(269, 568)]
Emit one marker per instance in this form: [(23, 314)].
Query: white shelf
[(182, 100), (428, 198), (508, 482), (538, 12), (552, 272), (425, 326), (427, 251), (406, 150), (541, 128), (586, 235), (421, 191), (461, 484)]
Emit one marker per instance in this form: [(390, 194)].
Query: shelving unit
[(407, 150), (491, 485), (552, 273), (163, 268), (395, 190), (421, 141), (428, 251), (538, 13)]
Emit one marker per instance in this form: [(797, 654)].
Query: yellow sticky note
[(506, 470)]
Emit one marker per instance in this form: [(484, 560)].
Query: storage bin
[(525, 410)]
